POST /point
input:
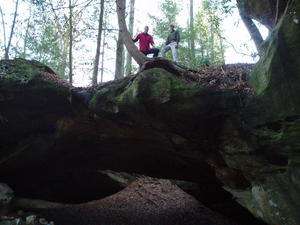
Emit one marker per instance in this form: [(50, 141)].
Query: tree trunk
[(266, 12), (102, 60), (188, 40), (64, 58), (192, 29), (130, 27), (222, 49), (139, 57), (70, 43), (6, 56), (3, 28), (253, 31), (119, 69), (123, 59), (97, 57), (212, 41)]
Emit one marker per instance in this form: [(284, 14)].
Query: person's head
[(171, 27), (146, 29)]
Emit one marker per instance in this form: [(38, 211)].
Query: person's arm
[(178, 36), (177, 39), (137, 38), (152, 42), (167, 41)]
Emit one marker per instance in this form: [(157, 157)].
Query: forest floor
[(147, 201), (231, 76)]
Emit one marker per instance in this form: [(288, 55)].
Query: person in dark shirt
[(145, 40), (172, 43)]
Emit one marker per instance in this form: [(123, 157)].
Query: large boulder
[(55, 139)]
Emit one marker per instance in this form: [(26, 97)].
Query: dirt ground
[(146, 201)]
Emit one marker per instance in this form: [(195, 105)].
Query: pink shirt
[(145, 41)]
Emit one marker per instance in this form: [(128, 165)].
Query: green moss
[(158, 91), (108, 99), (130, 93), (155, 86), (21, 70)]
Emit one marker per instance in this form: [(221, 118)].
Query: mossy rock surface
[(276, 78), (158, 97), (265, 146), (159, 124), (30, 105), (21, 70)]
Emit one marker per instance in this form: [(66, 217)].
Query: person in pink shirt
[(145, 40)]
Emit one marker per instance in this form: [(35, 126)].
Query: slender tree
[(7, 47), (192, 29), (61, 33), (3, 28), (59, 21), (70, 42), (250, 25), (130, 29), (253, 31), (119, 66), (212, 41), (188, 40), (103, 54), (139, 57), (97, 57)]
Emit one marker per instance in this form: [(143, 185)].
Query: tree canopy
[(79, 37)]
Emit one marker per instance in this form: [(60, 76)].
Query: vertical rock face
[(265, 146), (276, 77)]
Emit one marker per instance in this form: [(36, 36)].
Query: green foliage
[(209, 38), (209, 48), (227, 6), (170, 10), (43, 36), (44, 46)]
